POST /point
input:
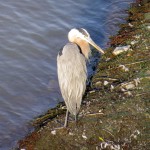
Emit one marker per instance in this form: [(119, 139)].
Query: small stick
[(137, 62), (94, 114), (131, 64), (141, 94), (109, 133), (111, 79)]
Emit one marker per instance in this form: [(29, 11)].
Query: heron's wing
[(72, 75)]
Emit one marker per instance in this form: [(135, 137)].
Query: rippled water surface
[(31, 34)]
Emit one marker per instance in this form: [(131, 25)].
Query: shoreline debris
[(120, 49)]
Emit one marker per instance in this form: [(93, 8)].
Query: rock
[(148, 27), (84, 136), (135, 134), (108, 59), (100, 110), (93, 91), (70, 133), (130, 25), (136, 81), (120, 49), (106, 83), (122, 89), (53, 132), (124, 68), (129, 86), (128, 94), (112, 88), (109, 145), (137, 36), (98, 84), (88, 103), (134, 42)]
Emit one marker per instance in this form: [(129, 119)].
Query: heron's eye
[(85, 36)]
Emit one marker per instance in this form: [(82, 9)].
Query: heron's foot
[(59, 122), (61, 125)]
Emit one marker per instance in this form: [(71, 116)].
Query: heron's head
[(82, 34)]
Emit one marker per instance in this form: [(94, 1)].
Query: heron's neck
[(85, 48)]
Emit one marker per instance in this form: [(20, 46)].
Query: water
[(31, 34)]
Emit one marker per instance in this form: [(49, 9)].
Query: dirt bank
[(115, 111)]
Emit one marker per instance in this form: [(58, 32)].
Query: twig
[(110, 79), (137, 62), (130, 64), (94, 114), (109, 133), (141, 94)]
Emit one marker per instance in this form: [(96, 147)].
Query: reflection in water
[(31, 34)]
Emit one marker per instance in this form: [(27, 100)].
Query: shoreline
[(114, 113)]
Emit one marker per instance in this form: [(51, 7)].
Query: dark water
[(31, 34)]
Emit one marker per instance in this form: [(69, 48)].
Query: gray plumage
[(72, 75), (71, 68)]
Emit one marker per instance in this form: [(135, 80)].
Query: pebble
[(92, 92), (100, 110), (128, 93), (137, 81), (107, 59), (124, 68), (53, 132), (70, 133), (121, 49), (137, 36), (130, 25), (133, 42), (135, 134), (148, 27), (98, 84), (83, 135), (129, 86), (112, 88), (106, 83)]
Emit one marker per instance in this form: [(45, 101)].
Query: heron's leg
[(76, 118), (66, 119), (76, 115)]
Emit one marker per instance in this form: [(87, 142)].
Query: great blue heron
[(72, 71)]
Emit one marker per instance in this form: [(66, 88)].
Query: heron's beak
[(90, 41)]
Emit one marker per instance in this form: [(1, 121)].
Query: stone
[(106, 83), (53, 132), (124, 68), (121, 49)]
